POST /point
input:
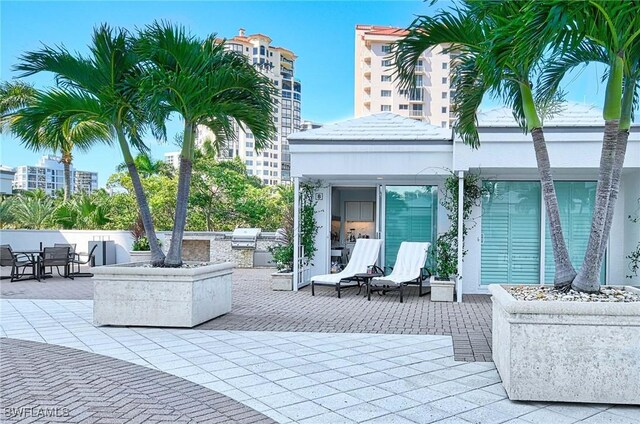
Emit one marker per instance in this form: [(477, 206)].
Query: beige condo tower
[(375, 88)]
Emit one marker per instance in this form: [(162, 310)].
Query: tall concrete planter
[(567, 351), (130, 295)]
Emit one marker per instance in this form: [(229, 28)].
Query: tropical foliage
[(222, 198), (520, 52)]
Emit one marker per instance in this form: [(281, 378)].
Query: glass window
[(385, 108), (445, 94), (262, 50), (386, 48), (510, 239), (403, 107), (385, 78), (443, 124), (249, 154), (385, 93), (255, 50), (410, 215), (386, 62), (576, 201), (445, 65), (445, 80), (444, 109), (248, 162)]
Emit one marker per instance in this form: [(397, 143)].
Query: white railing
[(416, 113)]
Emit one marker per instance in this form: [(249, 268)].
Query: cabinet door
[(352, 211), (366, 211)]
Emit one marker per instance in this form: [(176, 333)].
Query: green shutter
[(576, 201), (510, 249), (410, 215)]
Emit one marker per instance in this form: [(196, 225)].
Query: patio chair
[(365, 254), (71, 246), (408, 269), (91, 261), (58, 257), (18, 262)]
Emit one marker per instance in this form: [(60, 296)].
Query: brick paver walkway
[(258, 308), (57, 384)]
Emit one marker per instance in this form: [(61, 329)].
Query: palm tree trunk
[(618, 160), (618, 163), (66, 163), (588, 278), (174, 256), (564, 271), (157, 256)]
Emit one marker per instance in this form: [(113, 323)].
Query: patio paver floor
[(258, 308), (448, 391)]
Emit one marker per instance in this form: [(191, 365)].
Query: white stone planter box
[(131, 295), (140, 256), (567, 351), (441, 291), (282, 281)]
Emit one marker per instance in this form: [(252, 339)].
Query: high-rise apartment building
[(271, 165), (375, 87), (48, 174), (173, 159)]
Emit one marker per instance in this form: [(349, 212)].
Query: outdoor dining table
[(36, 256)]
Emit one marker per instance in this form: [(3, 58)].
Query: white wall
[(629, 203), (30, 239)]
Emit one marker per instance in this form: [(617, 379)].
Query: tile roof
[(384, 126), (572, 114), (382, 30)]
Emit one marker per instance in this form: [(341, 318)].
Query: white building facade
[(272, 165), (377, 91), (6, 179), (395, 167), (48, 175)]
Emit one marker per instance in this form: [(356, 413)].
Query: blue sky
[(321, 33)]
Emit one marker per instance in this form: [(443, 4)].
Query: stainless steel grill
[(245, 238)]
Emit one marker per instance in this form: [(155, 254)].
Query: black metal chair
[(58, 257), (91, 261), (18, 262)]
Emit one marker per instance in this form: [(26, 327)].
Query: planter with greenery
[(575, 341)]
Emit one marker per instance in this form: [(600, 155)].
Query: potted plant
[(140, 249), (283, 250), (443, 280)]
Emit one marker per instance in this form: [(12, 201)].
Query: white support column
[(460, 234), (296, 232)]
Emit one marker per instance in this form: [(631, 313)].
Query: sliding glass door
[(512, 244), (410, 215), (511, 233), (576, 201)]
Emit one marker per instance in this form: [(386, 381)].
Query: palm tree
[(609, 33), (147, 167), (479, 36), (206, 85), (109, 76), (32, 209), (53, 120)]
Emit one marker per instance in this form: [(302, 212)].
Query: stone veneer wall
[(196, 250), (216, 247)]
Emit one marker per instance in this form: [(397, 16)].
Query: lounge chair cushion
[(365, 253), (409, 263)]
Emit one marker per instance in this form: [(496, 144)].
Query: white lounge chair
[(408, 269), (365, 254)]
